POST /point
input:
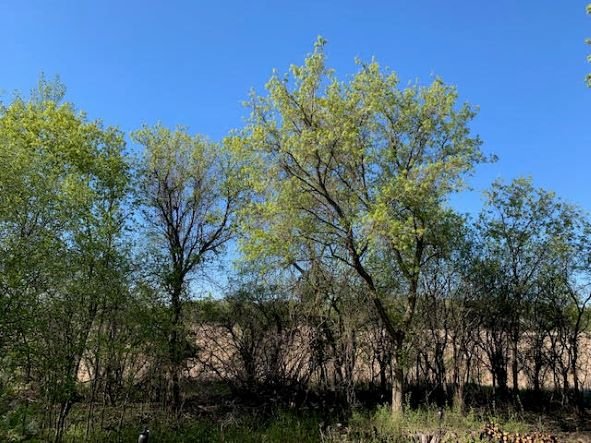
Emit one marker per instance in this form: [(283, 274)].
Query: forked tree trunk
[(396, 334)]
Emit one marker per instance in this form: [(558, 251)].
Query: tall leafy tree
[(523, 231), (190, 196), (360, 171), (62, 186)]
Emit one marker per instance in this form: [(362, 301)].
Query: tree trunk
[(396, 334), (536, 377), (61, 422), (538, 365), (383, 380), (458, 402), (398, 376), (578, 397), (515, 365), (175, 347), (397, 388)]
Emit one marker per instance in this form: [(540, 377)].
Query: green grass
[(381, 426), (284, 426)]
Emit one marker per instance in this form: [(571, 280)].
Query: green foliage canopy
[(354, 169)]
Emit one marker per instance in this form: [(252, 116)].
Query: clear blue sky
[(193, 62)]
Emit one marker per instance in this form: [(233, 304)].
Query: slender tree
[(520, 228), (189, 197)]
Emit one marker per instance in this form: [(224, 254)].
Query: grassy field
[(297, 427), (212, 413), (309, 426)]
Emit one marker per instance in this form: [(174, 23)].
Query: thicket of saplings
[(348, 299)]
